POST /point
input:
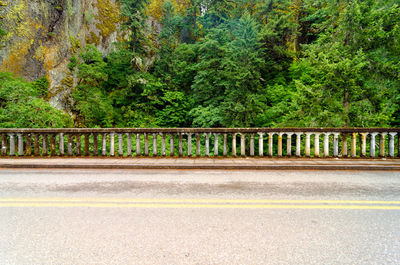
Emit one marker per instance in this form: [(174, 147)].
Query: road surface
[(50, 216)]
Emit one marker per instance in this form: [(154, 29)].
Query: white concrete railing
[(199, 142)]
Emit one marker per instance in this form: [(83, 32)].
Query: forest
[(229, 63)]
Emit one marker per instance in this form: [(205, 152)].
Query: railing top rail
[(198, 130)]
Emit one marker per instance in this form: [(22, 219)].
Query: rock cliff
[(43, 34)]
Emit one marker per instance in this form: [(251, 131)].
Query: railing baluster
[(44, 147), (180, 145), (372, 145), (216, 144), (112, 144), (36, 145), (308, 144), (69, 145), (103, 144), (354, 145), (61, 143), (163, 151), (391, 144), (171, 145), (20, 144), (242, 145), (252, 144), (3, 144), (120, 145), (270, 144), (316, 145), (344, 145), (326, 144), (298, 144), (335, 144), (129, 144), (12, 144), (189, 135), (225, 148), (146, 144), (234, 145), (363, 144), (28, 144), (87, 143), (261, 144), (52, 144), (289, 144), (280, 145), (154, 144), (382, 144), (198, 145), (138, 151), (95, 144), (78, 145)]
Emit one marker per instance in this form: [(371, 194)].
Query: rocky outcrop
[(44, 34)]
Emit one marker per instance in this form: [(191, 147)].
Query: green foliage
[(22, 107), (239, 63)]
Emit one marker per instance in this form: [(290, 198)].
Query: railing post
[(155, 144), (372, 145), (52, 144), (316, 145), (344, 145), (234, 145), (354, 145), (12, 144), (20, 144), (129, 144), (298, 144), (61, 143), (216, 144), (120, 144), (138, 151), (146, 144), (242, 145), (252, 144), (163, 145), (197, 144), (289, 144), (336, 144), (363, 144), (171, 145), (261, 144), (391, 144), (271, 144), (308, 144), (70, 153), (95, 144), (382, 144), (104, 145), (180, 145), (280, 152), (326, 144), (225, 148)]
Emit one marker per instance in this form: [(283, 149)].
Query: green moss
[(93, 39), (109, 16)]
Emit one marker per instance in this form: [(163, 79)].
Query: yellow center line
[(194, 201), (188, 205)]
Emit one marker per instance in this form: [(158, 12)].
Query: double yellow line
[(196, 203)]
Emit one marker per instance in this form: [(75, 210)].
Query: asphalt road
[(199, 217)]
